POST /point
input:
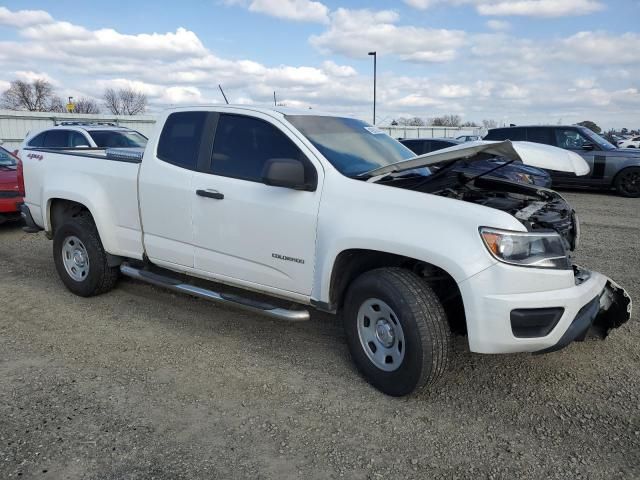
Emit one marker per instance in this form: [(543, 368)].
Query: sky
[(512, 61)]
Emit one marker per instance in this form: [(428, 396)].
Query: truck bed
[(104, 180)]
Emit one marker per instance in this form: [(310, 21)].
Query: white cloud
[(499, 25), (356, 32), (539, 8), (23, 18), (296, 10), (529, 8), (584, 83), (495, 75), (513, 91), (334, 69), (601, 48), (30, 76)]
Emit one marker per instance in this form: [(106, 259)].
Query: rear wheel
[(80, 258), (627, 182), (397, 331)]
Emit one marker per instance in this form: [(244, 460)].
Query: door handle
[(210, 194)]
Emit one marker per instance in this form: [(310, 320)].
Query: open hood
[(533, 154)]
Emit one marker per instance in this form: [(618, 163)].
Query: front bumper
[(593, 304)]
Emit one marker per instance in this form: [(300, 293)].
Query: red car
[(11, 186)]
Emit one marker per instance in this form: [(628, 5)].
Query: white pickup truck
[(331, 213)]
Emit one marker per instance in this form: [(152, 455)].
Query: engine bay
[(537, 208)]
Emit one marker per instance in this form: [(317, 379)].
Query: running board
[(224, 298)]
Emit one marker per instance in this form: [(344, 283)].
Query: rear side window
[(539, 135), (244, 144), (57, 139), (37, 141), (512, 133), (180, 139)]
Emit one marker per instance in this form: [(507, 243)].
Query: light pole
[(374, 86)]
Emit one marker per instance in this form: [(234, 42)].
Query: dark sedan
[(611, 167), (514, 172)]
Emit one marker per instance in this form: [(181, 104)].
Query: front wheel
[(397, 331), (627, 182), (80, 258)]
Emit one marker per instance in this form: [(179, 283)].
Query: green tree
[(591, 126)]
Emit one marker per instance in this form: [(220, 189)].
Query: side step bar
[(225, 298)]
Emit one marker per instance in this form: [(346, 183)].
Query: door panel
[(165, 187), (165, 207), (256, 233), (250, 231)]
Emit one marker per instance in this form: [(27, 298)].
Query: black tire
[(627, 182), (100, 277), (426, 332)]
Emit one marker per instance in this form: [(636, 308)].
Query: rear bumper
[(31, 226), (9, 202), (593, 304)]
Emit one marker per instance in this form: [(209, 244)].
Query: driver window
[(243, 145), (570, 139)]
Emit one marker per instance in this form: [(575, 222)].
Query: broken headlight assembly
[(527, 249)]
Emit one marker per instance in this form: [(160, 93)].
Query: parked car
[(85, 135), (610, 167), (468, 138), (11, 186), (633, 142), (331, 213), (514, 171)]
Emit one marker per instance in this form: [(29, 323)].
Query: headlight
[(524, 177), (527, 249)]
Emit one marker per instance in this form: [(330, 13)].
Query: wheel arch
[(351, 263), (625, 168)]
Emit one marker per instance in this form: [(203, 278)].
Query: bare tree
[(125, 101), (86, 105), (488, 123), (409, 122), (37, 96), (469, 124), (56, 105), (446, 121)]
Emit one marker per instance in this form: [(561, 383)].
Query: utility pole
[(374, 85)]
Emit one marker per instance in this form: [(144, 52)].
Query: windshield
[(6, 159), (597, 139), (118, 139), (352, 146)]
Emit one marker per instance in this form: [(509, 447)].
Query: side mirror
[(285, 172), (588, 146)]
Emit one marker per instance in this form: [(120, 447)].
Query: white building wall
[(15, 125)]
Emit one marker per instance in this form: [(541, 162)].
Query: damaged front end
[(610, 309), (614, 309)]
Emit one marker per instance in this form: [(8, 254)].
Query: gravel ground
[(141, 384)]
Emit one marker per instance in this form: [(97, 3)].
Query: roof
[(441, 139), (538, 126), (89, 126), (266, 110)]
